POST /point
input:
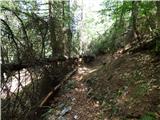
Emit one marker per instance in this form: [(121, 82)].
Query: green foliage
[(104, 43), (147, 7), (70, 85), (28, 35), (98, 47), (120, 12), (141, 90), (48, 112), (148, 116), (136, 76)]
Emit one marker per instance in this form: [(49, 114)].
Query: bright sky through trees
[(91, 26)]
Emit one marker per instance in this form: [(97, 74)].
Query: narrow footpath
[(73, 102)]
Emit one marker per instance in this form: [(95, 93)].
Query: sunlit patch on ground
[(85, 70), (82, 107), (16, 82)]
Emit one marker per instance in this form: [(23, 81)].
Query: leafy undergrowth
[(127, 86)]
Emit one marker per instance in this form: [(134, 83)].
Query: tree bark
[(69, 32), (158, 14), (134, 19), (54, 42)]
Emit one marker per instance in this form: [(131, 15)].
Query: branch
[(12, 37), (57, 87), (22, 24)]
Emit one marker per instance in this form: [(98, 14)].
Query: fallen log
[(10, 67), (18, 66), (148, 45), (141, 46), (56, 88)]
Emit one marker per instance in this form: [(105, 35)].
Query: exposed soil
[(113, 87), (75, 96), (128, 86)]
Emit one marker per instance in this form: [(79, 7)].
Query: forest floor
[(73, 102), (113, 87)]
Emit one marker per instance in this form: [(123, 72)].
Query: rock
[(65, 110), (75, 117), (73, 99)]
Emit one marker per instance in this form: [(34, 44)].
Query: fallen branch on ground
[(56, 88)]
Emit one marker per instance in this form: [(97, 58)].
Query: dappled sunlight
[(96, 104), (82, 71), (122, 99), (81, 104), (85, 70), (16, 82), (80, 59), (92, 70), (80, 89)]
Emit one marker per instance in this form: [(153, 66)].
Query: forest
[(80, 60)]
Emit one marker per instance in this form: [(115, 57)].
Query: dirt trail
[(134, 92), (74, 103)]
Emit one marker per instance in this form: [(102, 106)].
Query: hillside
[(128, 87), (111, 88)]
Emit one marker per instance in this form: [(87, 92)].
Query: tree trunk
[(69, 32), (64, 38), (134, 19), (43, 46), (53, 40), (158, 14)]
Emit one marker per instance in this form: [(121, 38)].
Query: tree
[(134, 19), (158, 14)]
